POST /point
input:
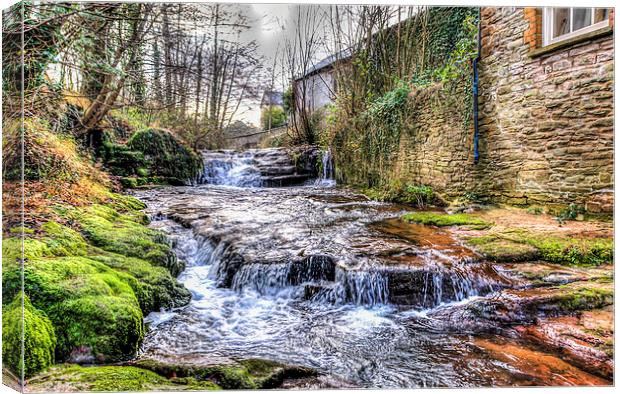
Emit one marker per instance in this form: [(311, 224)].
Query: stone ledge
[(571, 41)]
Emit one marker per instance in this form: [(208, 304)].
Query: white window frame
[(548, 26)]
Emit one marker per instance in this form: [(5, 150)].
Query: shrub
[(277, 114)]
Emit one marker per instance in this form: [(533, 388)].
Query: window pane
[(561, 24), (601, 14), (582, 17)]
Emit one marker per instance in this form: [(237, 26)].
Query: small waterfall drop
[(231, 168), (327, 176)]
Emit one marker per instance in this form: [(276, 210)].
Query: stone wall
[(436, 144), (546, 122)]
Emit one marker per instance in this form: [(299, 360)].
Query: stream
[(318, 276)]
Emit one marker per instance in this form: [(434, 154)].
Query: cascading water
[(231, 168), (327, 176), (300, 276)]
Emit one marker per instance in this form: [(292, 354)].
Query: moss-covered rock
[(442, 220), (166, 156), (502, 250), (155, 287), (95, 312), (520, 245), (39, 340), (119, 233), (237, 375), (91, 283), (111, 378)]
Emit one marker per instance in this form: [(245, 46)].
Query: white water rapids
[(318, 287)]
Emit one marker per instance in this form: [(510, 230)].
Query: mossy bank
[(89, 279)]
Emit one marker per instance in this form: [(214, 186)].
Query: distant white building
[(319, 82)]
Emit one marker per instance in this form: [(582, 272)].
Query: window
[(564, 23)]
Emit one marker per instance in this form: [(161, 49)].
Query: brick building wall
[(546, 119)]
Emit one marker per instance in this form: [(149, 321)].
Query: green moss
[(166, 155), (110, 378), (98, 328), (12, 248), (522, 245), (93, 307), (574, 251), (122, 234), (441, 220), (502, 250), (63, 241), (142, 172), (39, 340), (21, 230), (586, 297), (244, 374), (95, 285), (417, 195), (155, 288), (195, 384), (228, 376)]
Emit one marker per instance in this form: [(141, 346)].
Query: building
[(271, 99), (319, 82)]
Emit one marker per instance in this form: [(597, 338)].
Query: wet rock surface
[(273, 167), (326, 280)]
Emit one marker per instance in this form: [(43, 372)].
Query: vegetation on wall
[(432, 51)]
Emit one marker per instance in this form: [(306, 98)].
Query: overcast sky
[(270, 23)]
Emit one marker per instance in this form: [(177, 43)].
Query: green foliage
[(277, 115), (384, 119), (430, 55), (39, 44), (166, 156), (288, 100), (39, 339), (570, 213), (441, 220), (136, 118), (417, 195), (466, 50)]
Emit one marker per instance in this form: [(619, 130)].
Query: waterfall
[(326, 178), (366, 288), (271, 278), (231, 168)]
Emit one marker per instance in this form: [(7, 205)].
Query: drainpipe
[(475, 91)]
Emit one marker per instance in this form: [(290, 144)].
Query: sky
[(267, 21), (269, 25)]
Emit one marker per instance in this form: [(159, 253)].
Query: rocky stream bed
[(330, 289), (298, 283)]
